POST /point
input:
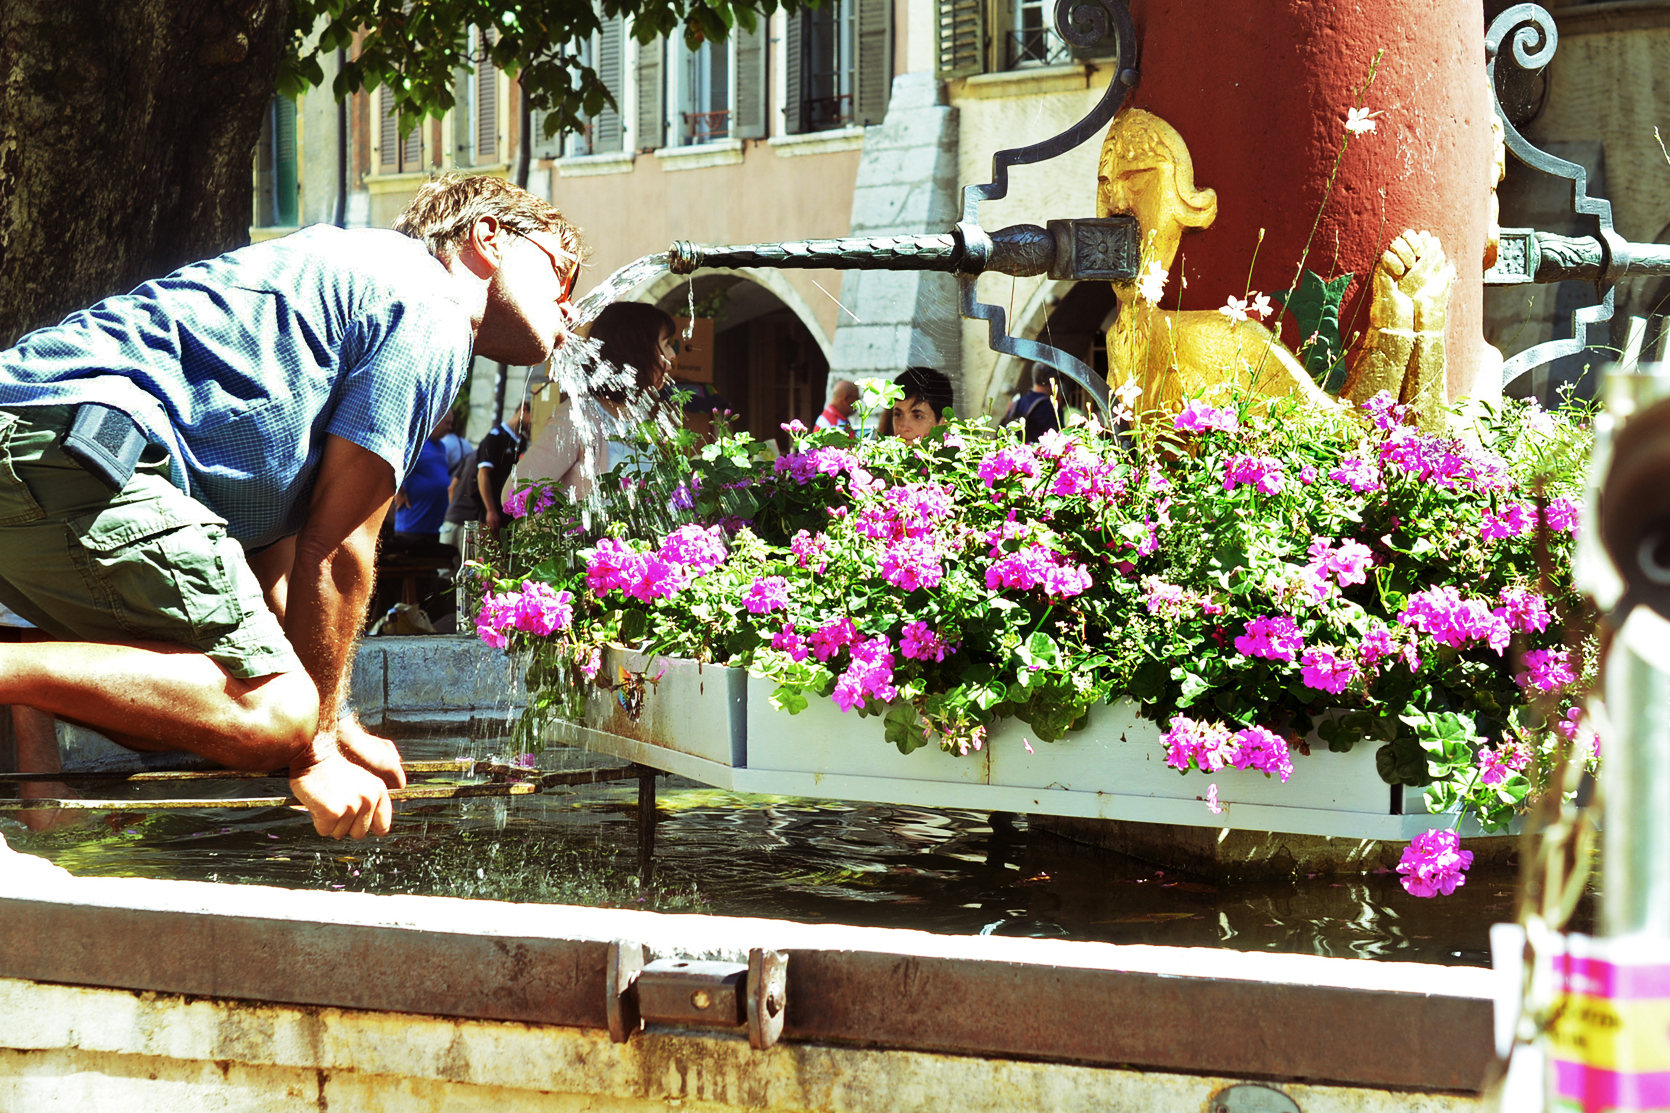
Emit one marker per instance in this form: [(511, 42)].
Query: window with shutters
[(602, 133), (1033, 41), (396, 154), (977, 36), (826, 66), (486, 97), (285, 188), (704, 93), (840, 65), (961, 45), (649, 128)]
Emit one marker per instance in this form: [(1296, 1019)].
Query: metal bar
[(929, 252), (646, 824), (1030, 999), (589, 776), (422, 792), (461, 767)]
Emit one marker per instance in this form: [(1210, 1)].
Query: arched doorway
[(1072, 316), (767, 364)]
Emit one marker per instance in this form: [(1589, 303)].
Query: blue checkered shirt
[(239, 366)]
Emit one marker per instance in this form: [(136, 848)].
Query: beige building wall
[(769, 195), (1015, 109)]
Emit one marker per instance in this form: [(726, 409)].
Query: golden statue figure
[(1174, 355), (1404, 350)]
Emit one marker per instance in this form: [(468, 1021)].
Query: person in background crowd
[(464, 502), (454, 445), (495, 459), (843, 399), (927, 397), (421, 503), (1037, 407), (640, 342)]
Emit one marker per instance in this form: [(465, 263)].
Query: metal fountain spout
[(1107, 248), (1104, 248)]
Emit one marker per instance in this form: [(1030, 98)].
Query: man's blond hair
[(446, 208)]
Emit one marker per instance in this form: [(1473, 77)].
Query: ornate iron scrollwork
[(1532, 39), (1083, 23)]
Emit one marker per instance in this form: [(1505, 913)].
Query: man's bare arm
[(334, 567)]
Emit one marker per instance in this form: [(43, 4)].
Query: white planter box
[(717, 726)]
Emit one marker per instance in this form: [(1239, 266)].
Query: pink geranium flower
[(1433, 864)]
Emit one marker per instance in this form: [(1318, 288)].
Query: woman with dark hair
[(927, 397), (586, 437), (636, 340)]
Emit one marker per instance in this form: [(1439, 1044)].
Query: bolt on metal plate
[(693, 993), (1249, 1097), (768, 996)]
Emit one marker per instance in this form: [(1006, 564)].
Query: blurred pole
[(524, 155), (1635, 899)]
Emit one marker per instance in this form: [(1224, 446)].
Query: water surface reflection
[(806, 860)]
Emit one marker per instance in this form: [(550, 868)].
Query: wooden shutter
[(872, 77), (605, 126), (651, 121), (411, 150), (388, 135), (541, 145), (794, 65), (284, 162), (486, 102), (749, 104), (961, 27)]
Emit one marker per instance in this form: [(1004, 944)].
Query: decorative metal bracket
[(1537, 256), (691, 993), (1082, 23)]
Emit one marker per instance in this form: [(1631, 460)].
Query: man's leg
[(164, 640), (37, 752), (156, 696)]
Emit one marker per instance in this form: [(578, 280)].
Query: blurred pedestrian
[(1038, 406), (495, 459), (421, 502), (843, 399)]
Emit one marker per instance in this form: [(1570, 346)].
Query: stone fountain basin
[(717, 725), (123, 993)]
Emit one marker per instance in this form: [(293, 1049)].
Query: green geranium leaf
[(1315, 310), (790, 699), (903, 728)]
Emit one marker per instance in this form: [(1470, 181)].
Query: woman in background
[(586, 437), (927, 397)]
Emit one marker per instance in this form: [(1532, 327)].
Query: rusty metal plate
[(692, 993)]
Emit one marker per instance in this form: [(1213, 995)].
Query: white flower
[(1235, 308), (1151, 286), (1261, 305), (1126, 395), (1358, 121)]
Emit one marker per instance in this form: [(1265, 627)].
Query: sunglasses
[(557, 257)]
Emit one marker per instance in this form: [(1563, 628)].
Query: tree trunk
[(127, 131)]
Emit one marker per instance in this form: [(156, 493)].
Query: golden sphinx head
[(1146, 170)]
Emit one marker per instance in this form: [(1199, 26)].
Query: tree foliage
[(417, 47)]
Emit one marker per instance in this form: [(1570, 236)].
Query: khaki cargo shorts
[(147, 564)]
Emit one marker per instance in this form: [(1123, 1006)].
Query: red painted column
[(1259, 90)]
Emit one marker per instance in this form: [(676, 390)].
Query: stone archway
[(770, 361)]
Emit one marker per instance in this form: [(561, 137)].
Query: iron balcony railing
[(1037, 46), (705, 127)]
